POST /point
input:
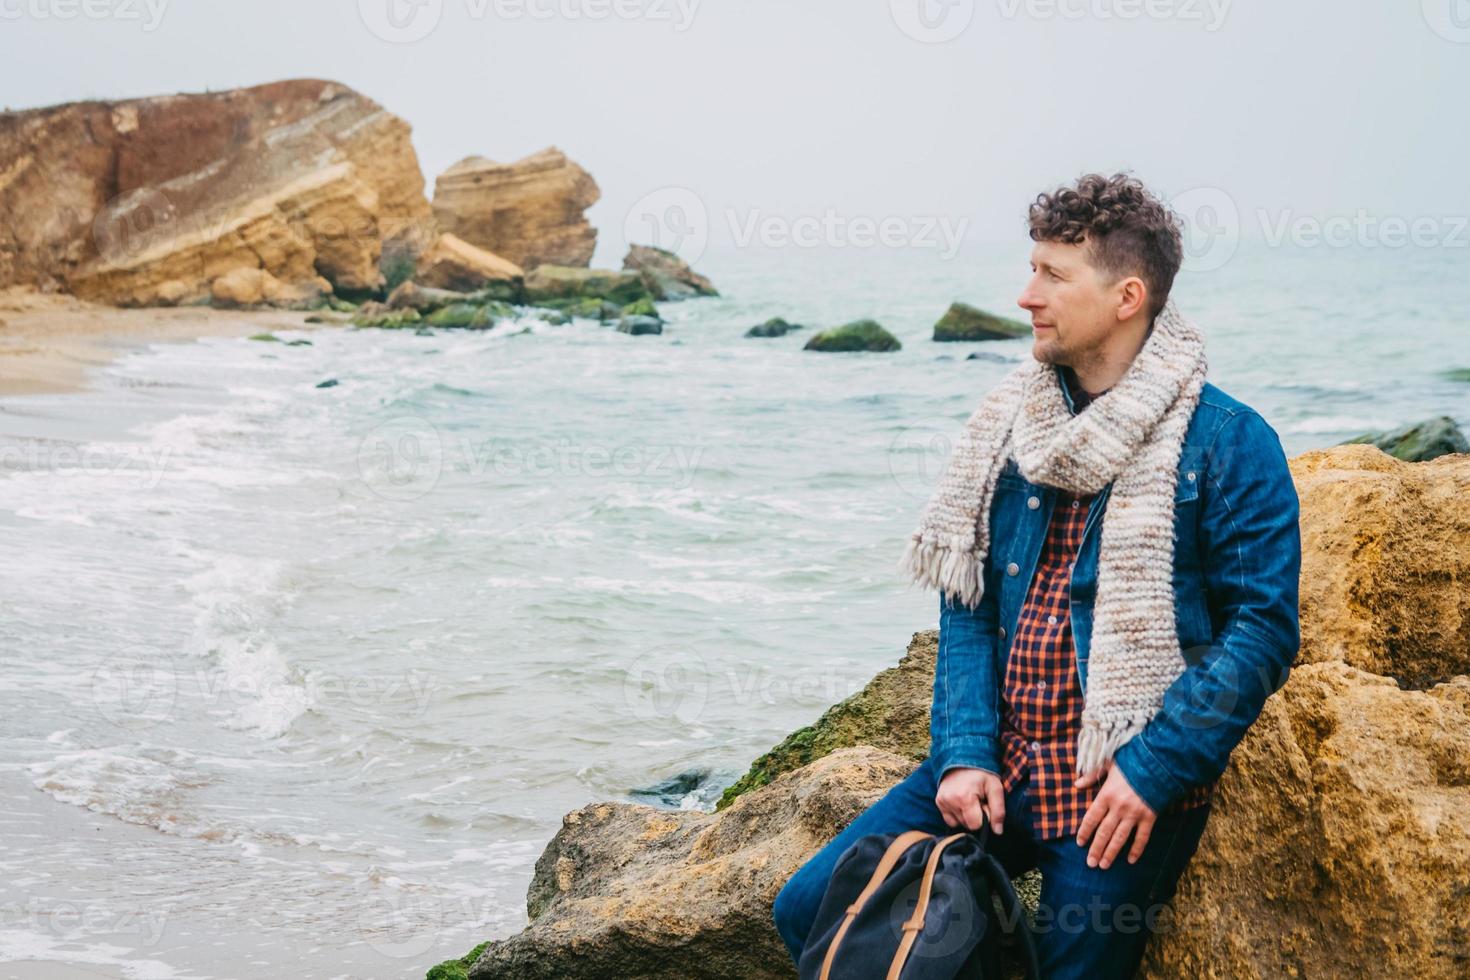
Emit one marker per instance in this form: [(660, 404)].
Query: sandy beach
[(49, 342)]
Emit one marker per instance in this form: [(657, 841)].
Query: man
[(1117, 548)]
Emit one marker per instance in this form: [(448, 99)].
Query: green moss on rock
[(456, 969), (891, 712), (964, 322), (1418, 441), (470, 316), (382, 317), (859, 335), (642, 307)]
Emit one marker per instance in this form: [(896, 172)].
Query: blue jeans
[(1092, 922)]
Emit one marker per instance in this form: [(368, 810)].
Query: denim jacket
[(1237, 559)]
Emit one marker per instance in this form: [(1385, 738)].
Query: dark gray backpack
[(914, 906)]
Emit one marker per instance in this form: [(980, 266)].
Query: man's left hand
[(1116, 813)]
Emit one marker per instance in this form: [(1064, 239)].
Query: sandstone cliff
[(528, 212), (149, 201)]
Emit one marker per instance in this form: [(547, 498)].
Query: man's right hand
[(968, 797)]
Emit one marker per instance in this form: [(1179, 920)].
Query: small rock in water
[(329, 383), (688, 790), (774, 327), (859, 335), (1418, 442), (964, 322), (639, 325)]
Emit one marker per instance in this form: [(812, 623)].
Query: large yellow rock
[(453, 263), (529, 212), (628, 890), (257, 287), (151, 200), (1339, 845), (1385, 580)]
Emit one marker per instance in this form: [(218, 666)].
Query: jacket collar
[(1067, 378)]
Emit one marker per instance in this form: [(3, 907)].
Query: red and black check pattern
[(1041, 710)]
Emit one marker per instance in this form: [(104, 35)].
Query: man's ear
[(1132, 297)]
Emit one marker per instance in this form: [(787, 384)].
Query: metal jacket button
[(1012, 568), (1033, 502)]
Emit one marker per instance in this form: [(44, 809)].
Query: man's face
[(1073, 309)]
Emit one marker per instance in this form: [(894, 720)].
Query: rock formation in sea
[(1416, 442), (150, 201), (964, 322), (454, 264), (529, 212), (667, 276), (859, 335), (1340, 840), (774, 327)]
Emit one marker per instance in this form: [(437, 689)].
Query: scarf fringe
[(1099, 740), (946, 564)]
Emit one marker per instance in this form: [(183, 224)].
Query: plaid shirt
[(1041, 702)]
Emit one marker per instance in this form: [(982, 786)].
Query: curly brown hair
[(1128, 230)]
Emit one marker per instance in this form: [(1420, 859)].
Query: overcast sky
[(952, 108)]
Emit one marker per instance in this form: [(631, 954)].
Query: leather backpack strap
[(896, 850), (915, 923)]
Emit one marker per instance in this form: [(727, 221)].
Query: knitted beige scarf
[(1130, 436)]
